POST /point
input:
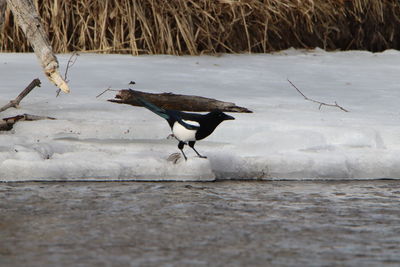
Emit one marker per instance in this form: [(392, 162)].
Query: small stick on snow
[(318, 102), (14, 103)]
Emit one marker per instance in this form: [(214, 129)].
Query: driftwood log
[(177, 102), (29, 21)]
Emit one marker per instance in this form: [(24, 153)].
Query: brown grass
[(211, 26)]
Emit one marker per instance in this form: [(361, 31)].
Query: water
[(292, 223)]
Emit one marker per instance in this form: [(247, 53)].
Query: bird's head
[(220, 116)]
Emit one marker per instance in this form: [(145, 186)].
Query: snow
[(286, 137)]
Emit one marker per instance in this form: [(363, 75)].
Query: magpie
[(188, 128)]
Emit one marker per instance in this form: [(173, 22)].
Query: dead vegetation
[(211, 26)]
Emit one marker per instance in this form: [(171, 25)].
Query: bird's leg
[(191, 144), (180, 146)]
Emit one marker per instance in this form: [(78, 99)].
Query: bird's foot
[(171, 136), (202, 157), (174, 157)]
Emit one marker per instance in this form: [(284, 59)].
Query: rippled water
[(297, 223)]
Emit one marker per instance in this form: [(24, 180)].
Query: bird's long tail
[(150, 106), (169, 116)]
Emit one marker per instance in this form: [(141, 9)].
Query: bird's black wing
[(190, 116), (183, 118)]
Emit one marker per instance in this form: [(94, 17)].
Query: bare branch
[(14, 103), (318, 102), (71, 61)]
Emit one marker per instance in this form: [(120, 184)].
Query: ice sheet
[(286, 137)]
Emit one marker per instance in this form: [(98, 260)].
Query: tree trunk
[(177, 102), (29, 21)]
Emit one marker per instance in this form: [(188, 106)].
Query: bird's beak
[(227, 117)]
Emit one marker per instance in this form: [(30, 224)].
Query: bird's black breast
[(204, 131), (207, 127)]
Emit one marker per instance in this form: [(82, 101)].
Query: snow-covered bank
[(285, 137)]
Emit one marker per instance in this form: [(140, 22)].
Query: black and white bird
[(188, 128)]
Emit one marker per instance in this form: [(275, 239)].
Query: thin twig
[(71, 61), (14, 103), (108, 89), (318, 102)]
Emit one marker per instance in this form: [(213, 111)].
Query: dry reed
[(211, 26)]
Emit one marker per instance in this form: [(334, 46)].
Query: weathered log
[(177, 102), (29, 21), (7, 124), (14, 103)]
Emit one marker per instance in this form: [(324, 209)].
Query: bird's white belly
[(183, 134)]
